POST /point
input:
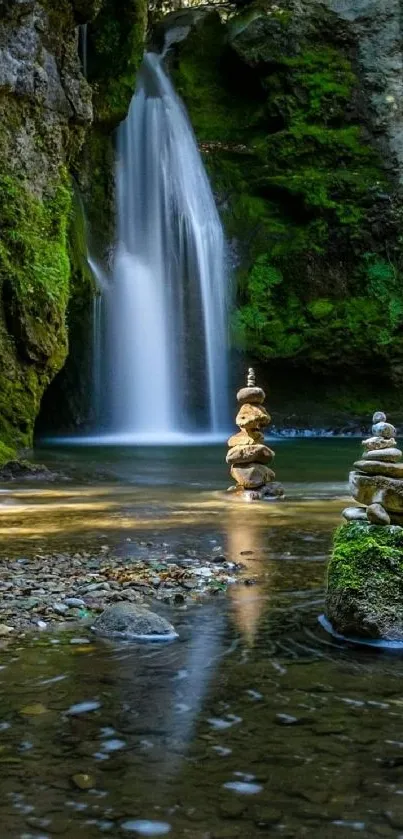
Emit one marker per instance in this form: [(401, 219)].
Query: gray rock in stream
[(129, 621)]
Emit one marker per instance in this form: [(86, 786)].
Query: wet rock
[(5, 630), (374, 443), (126, 620), (252, 416), (245, 438), (378, 416), (369, 489), (253, 476), (378, 467), (249, 454), (252, 395), (390, 454), (384, 429), (376, 514), (83, 782), (17, 470), (365, 581), (354, 514)]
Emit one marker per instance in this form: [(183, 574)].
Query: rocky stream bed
[(49, 589)]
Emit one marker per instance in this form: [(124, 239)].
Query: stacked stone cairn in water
[(248, 456), (377, 479)]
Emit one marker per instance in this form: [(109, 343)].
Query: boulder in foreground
[(364, 596), (128, 621)]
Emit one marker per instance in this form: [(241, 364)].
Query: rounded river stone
[(378, 467), (253, 395), (252, 417), (375, 443), (370, 489), (354, 513), (249, 454), (384, 429), (391, 455), (129, 621), (379, 416), (253, 476), (245, 438), (377, 514)]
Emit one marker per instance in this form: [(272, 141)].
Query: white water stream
[(165, 349)]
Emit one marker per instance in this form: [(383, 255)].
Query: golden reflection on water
[(30, 514)]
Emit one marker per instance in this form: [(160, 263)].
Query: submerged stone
[(129, 621), (365, 581)]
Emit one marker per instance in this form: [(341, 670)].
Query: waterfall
[(166, 305)]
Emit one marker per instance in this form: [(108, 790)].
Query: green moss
[(6, 453), (116, 45), (363, 551), (34, 283), (272, 107)]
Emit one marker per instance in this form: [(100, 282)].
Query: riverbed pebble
[(48, 589)]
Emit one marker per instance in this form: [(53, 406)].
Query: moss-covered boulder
[(364, 597)]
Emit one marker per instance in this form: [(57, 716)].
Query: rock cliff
[(47, 127)]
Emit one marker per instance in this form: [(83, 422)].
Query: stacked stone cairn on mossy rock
[(248, 456), (377, 478)]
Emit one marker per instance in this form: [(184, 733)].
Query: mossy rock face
[(283, 124), (365, 581)]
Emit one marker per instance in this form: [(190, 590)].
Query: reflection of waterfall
[(166, 309)]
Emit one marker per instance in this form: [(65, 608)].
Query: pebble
[(376, 514), (74, 602), (354, 514), (83, 781), (60, 608)]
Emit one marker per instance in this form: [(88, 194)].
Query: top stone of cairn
[(251, 393)]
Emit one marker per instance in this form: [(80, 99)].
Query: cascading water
[(166, 307)]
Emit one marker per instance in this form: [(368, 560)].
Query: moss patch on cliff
[(365, 581), (34, 283), (116, 44), (272, 96)]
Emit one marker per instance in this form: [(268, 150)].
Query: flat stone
[(389, 454), (371, 489), (253, 395), (127, 620), (253, 476), (379, 467), (383, 429), (373, 443), (354, 514), (245, 438), (252, 417), (377, 514), (249, 454)]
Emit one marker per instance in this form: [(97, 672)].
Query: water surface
[(255, 722)]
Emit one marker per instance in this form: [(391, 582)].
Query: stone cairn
[(248, 457), (377, 479)]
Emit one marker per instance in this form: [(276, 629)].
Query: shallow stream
[(255, 722)]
